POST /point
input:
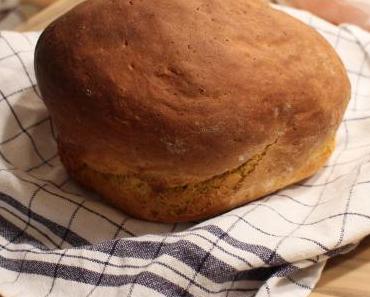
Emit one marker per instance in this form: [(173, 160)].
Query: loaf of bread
[(179, 110)]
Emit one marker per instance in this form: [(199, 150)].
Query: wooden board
[(348, 275), (344, 276)]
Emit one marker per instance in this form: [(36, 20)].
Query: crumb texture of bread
[(180, 110)]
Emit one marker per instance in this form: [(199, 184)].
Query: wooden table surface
[(344, 276)]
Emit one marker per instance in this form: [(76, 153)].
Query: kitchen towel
[(57, 239)]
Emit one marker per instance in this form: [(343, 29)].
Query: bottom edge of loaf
[(192, 202)]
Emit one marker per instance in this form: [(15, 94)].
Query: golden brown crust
[(175, 93)]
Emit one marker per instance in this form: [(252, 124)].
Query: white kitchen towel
[(56, 239)]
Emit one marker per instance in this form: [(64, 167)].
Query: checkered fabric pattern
[(56, 239)]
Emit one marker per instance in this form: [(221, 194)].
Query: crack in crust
[(177, 201), (193, 202), (259, 158), (243, 170)]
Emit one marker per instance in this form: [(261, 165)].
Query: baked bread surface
[(180, 110)]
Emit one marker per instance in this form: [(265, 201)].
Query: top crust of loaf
[(177, 92)]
